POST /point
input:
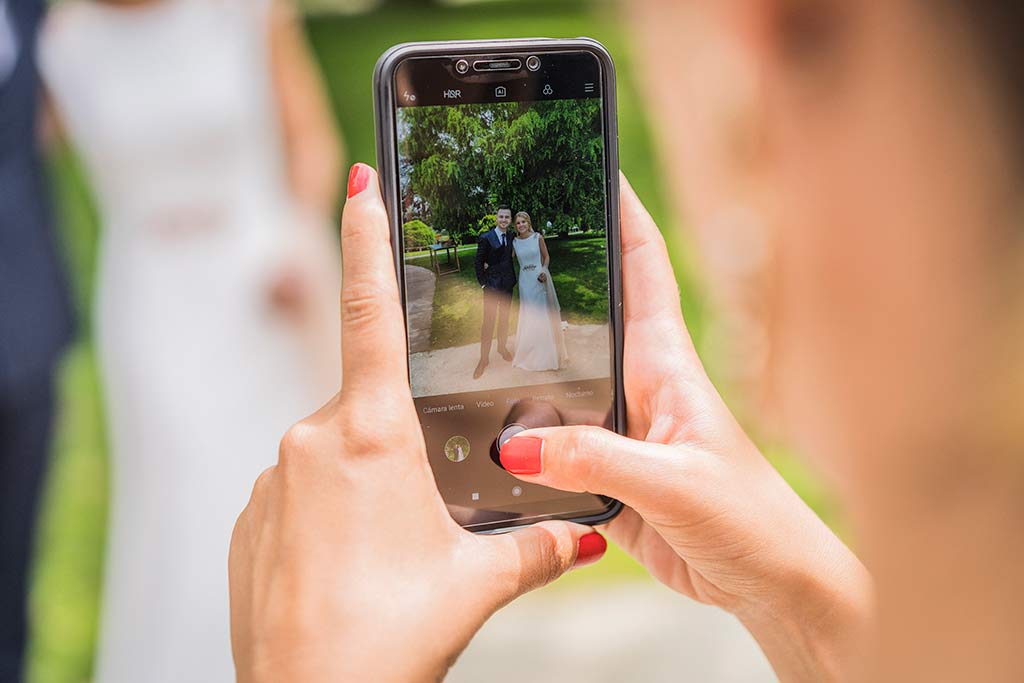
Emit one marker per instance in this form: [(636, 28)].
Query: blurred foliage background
[(347, 37)]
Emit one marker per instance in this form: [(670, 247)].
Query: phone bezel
[(385, 105)]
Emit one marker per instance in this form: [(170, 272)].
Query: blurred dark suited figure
[(35, 320)]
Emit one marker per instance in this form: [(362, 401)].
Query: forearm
[(317, 664), (337, 667), (817, 628)]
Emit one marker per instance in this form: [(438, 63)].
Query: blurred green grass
[(66, 589)]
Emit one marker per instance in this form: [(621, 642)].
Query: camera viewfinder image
[(505, 244)]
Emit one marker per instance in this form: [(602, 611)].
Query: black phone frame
[(385, 107)]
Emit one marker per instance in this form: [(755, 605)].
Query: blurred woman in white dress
[(540, 343), (203, 129)]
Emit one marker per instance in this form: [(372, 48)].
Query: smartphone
[(499, 167)]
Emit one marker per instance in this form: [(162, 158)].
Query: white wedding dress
[(170, 107), (540, 344)]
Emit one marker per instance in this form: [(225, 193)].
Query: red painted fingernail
[(521, 455), (358, 179), (591, 548)]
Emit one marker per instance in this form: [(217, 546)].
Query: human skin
[(503, 219), (706, 514), (850, 176), (866, 145), (324, 586), (345, 556), (524, 229)]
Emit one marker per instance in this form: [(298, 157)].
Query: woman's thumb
[(595, 460), (539, 554)]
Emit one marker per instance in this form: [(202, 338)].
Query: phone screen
[(503, 183)]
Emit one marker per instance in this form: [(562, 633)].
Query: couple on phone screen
[(540, 344)]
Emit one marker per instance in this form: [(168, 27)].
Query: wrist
[(315, 665), (816, 627)]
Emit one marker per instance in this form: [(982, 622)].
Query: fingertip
[(590, 548), (364, 199), (364, 215), (624, 184), (628, 198), (585, 544), (358, 179), (522, 455)]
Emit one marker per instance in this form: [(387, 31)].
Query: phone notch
[(487, 65)]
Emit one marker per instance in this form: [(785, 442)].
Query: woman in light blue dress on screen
[(540, 343)]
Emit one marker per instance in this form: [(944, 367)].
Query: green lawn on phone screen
[(67, 579)]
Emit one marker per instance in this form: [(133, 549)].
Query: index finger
[(373, 346)]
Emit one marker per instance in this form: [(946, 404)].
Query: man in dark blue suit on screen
[(35, 321), (497, 277)]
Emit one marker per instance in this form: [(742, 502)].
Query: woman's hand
[(346, 565), (707, 514), (543, 277)]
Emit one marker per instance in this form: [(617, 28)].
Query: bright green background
[(69, 565)]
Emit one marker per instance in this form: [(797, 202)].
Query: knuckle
[(238, 547), (367, 224), (296, 444), (364, 436), (252, 516), (360, 225), (555, 551), (540, 554), (238, 531), (361, 438), (580, 453), (264, 483), (363, 304), (533, 575)]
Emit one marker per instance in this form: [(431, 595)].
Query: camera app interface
[(505, 245)]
